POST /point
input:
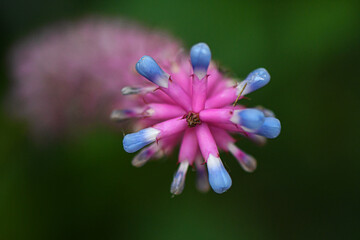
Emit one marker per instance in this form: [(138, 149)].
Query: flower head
[(195, 108)]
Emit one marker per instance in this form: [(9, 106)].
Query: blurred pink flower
[(70, 75)]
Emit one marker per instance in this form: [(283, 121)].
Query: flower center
[(192, 119)]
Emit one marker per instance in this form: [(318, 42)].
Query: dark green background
[(307, 182)]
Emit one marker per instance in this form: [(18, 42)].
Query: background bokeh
[(307, 182)]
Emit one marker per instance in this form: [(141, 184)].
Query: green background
[(307, 182)]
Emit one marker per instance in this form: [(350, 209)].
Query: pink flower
[(194, 106), (69, 76)]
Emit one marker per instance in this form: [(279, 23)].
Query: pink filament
[(222, 99), (216, 115), (178, 95), (189, 147), (206, 141), (199, 88), (222, 138), (162, 111), (171, 127)]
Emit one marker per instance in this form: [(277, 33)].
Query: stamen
[(178, 183), (249, 119), (270, 129), (267, 112), (237, 99), (219, 178), (200, 56), (192, 119), (148, 68), (257, 139), (135, 141), (202, 181), (145, 155), (247, 162), (255, 80), (128, 90), (168, 144), (120, 115)]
